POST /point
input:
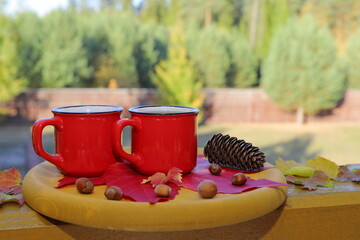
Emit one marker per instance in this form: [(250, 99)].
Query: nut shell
[(239, 179), (113, 193), (84, 185), (162, 190), (215, 169), (207, 189)]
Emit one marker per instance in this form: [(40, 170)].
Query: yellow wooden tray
[(187, 212)]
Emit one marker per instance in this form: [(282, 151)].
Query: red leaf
[(223, 181), (10, 181), (123, 176), (67, 180)]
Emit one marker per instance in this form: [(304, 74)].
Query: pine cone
[(230, 152)]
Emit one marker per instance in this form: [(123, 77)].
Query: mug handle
[(37, 130), (119, 126)]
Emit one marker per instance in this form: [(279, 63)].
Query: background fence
[(220, 106)]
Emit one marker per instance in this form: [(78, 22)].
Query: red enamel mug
[(162, 137), (83, 136)]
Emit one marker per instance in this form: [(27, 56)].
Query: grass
[(337, 142)]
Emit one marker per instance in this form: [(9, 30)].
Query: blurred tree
[(154, 11), (176, 77), (211, 56), (107, 71), (353, 60), (342, 17), (122, 32), (96, 45), (244, 63), (63, 60), (301, 71), (29, 29), (10, 82), (150, 48), (262, 18)]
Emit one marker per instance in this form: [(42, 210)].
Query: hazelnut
[(162, 190), (207, 189), (215, 169), (84, 185), (239, 179), (113, 193)]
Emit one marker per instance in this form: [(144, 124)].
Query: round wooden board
[(186, 212)]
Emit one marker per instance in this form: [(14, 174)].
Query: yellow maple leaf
[(327, 166)]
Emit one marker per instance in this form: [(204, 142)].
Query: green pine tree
[(301, 71), (176, 77), (63, 61), (122, 33), (29, 29), (150, 48), (211, 56), (353, 60), (262, 19), (244, 63)]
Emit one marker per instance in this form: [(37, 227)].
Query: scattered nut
[(215, 169), (239, 179), (84, 185), (162, 190), (207, 189), (113, 193)]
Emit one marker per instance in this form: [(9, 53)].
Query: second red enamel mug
[(162, 137)]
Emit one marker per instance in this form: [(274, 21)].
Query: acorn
[(207, 189), (84, 185), (239, 179), (113, 193)]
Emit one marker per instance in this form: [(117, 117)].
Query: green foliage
[(10, 82), (301, 70), (63, 61), (244, 63), (261, 22), (210, 53), (176, 77), (96, 46), (155, 11), (353, 60), (29, 29), (276, 14), (150, 47), (122, 32)]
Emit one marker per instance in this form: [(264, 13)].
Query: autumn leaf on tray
[(330, 168), (319, 178), (10, 186), (173, 176), (345, 174), (285, 166), (125, 177)]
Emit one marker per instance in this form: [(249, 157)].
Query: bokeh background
[(291, 67)]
